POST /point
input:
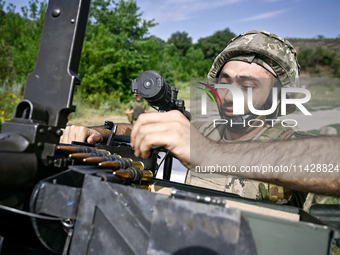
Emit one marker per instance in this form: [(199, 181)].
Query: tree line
[(117, 48)]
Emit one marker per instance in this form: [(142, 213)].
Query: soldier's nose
[(228, 97)]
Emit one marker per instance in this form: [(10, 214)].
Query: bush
[(309, 58), (9, 98)]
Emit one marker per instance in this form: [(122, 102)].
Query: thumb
[(95, 138)]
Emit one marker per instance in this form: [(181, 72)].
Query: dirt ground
[(99, 120), (317, 120)]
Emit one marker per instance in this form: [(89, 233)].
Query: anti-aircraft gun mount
[(54, 204)]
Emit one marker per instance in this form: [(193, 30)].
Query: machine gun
[(51, 203), (154, 89)]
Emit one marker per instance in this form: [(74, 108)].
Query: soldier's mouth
[(228, 111)]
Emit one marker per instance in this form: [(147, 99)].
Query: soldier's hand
[(80, 134), (170, 129)]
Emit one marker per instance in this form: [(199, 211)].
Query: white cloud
[(177, 10), (262, 16)]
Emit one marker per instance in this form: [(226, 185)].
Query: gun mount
[(51, 203), (35, 128)]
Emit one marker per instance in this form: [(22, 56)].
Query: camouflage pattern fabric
[(266, 49), (328, 130), (138, 108), (314, 199), (245, 187), (278, 56)]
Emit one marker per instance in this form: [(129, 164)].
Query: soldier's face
[(244, 75)]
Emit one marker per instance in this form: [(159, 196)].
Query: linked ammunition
[(138, 164), (74, 149), (134, 174), (81, 155), (122, 163), (96, 160)]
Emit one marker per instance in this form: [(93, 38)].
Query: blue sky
[(201, 18)]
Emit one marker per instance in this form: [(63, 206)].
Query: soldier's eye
[(224, 80)]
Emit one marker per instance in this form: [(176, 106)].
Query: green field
[(325, 93)]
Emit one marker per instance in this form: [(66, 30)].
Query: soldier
[(262, 60), (259, 60), (136, 108)]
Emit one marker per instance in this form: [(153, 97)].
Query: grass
[(325, 93), (10, 96), (184, 90), (86, 110)]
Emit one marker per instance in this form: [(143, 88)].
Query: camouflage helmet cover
[(265, 49)]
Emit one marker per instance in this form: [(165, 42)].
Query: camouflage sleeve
[(146, 105), (199, 125), (302, 135)]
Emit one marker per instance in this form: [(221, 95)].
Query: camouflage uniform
[(245, 187), (138, 108), (315, 198), (278, 56), (328, 130)]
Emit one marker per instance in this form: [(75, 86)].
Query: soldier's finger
[(149, 118), (79, 133), (144, 130), (68, 135), (157, 139), (95, 138), (143, 120)]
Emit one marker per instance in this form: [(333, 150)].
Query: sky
[(202, 18)]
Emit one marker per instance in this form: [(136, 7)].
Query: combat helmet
[(274, 53)]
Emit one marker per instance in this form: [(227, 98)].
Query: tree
[(168, 64), (116, 48), (213, 45), (182, 42), (195, 64), (120, 18), (19, 40)]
